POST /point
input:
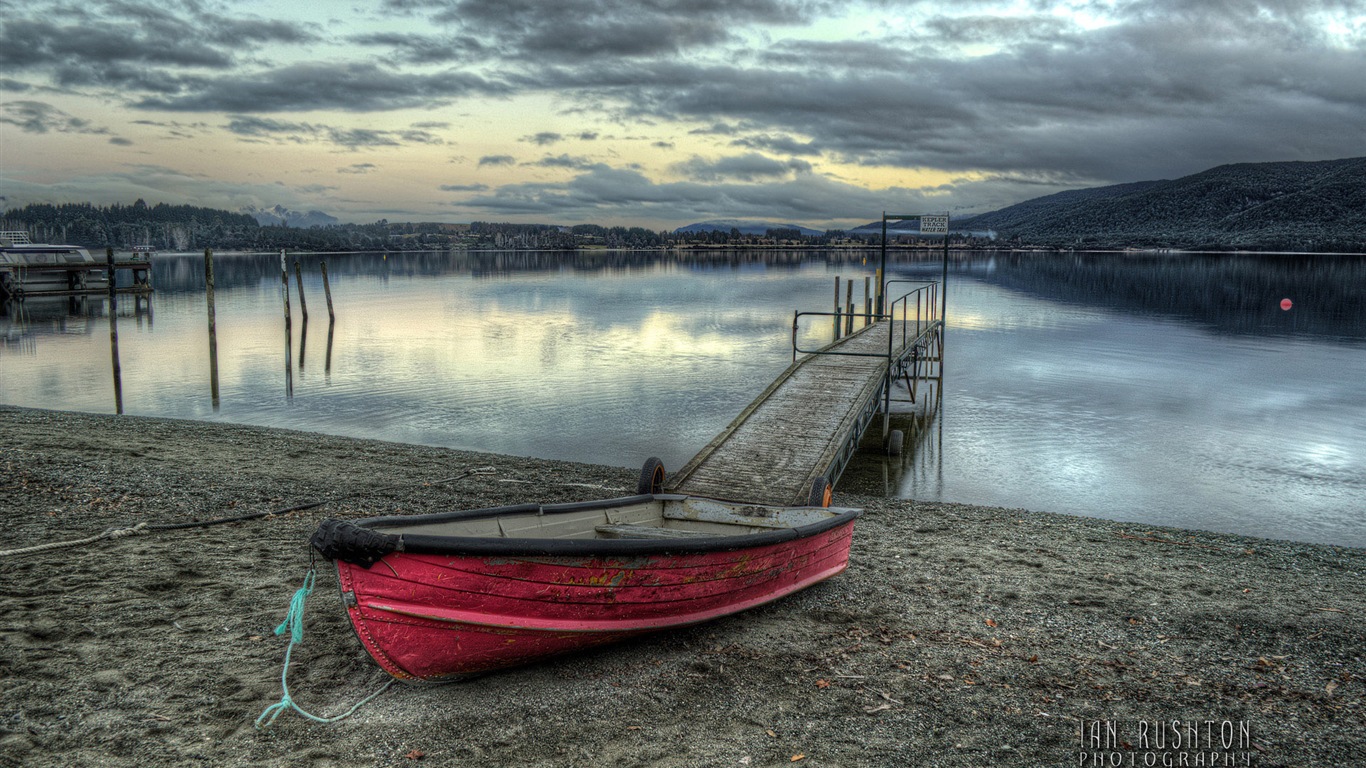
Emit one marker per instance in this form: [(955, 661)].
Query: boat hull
[(434, 616)]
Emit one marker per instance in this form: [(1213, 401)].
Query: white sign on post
[(934, 225)]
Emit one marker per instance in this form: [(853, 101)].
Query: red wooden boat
[(449, 594)]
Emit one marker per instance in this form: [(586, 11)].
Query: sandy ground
[(960, 635)]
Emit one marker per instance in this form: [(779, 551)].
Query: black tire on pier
[(821, 491), (651, 477), (895, 440)]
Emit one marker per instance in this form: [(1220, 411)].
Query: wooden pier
[(792, 443), (55, 278)]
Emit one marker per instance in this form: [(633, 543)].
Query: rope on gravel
[(144, 528), (294, 624), (141, 529)]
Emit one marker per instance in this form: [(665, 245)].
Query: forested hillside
[(1318, 206), (188, 228)]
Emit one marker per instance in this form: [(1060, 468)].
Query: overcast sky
[(660, 112)]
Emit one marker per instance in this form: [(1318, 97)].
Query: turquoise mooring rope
[(294, 624)]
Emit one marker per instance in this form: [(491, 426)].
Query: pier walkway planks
[(795, 431)]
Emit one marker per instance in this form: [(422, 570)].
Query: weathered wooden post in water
[(289, 351), (327, 289), (303, 305), (327, 364), (213, 327), (303, 342), (114, 334), (837, 307), (284, 286), (848, 307)]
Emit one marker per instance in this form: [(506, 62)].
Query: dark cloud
[(417, 136), (41, 117), (588, 30), (781, 143), (562, 161), (497, 160), (252, 127), (588, 136), (463, 187), (354, 138), (120, 141), (427, 49), (544, 138), (750, 167), (139, 46), (7, 84), (358, 168), (715, 129), (350, 87)]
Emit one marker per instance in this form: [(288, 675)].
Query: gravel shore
[(959, 636)]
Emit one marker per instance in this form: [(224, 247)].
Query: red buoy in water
[(1286, 304)]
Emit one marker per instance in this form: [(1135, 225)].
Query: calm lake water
[(1159, 389)]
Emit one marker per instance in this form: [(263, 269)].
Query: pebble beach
[(959, 635)]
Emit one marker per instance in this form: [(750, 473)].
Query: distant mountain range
[(745, 227), (279, 215), (1300, 206)]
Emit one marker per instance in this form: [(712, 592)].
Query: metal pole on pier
[(882, 270), (944, 281), (944, 301)]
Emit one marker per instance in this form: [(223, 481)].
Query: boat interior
[(657, 517)]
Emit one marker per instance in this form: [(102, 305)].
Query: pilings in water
[(846, 309), (327, 289), (303, 305), (114, 335), (213, 327), (289, 336), (838, 324)]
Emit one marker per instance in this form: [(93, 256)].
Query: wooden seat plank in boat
[(631, 531)]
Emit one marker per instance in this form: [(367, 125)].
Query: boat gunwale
[(435, 544)]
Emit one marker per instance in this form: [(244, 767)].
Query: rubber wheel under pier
[(821, 491), (895, 440), (651, 477)]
